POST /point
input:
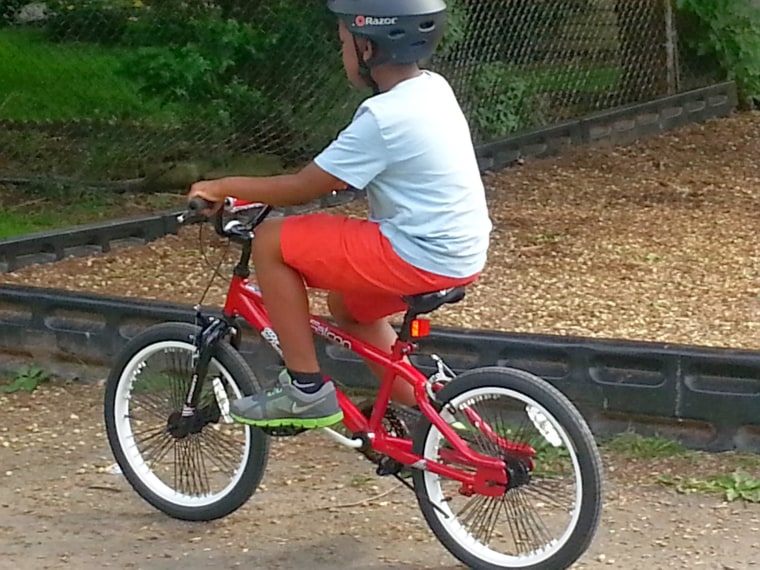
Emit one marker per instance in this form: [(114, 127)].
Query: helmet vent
[(396, 34), (428, 26)]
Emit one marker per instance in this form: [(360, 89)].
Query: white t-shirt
[(411, 149)]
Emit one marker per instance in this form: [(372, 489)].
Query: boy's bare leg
[(381, 334), (305, 401), (285, 297), (288, 307)]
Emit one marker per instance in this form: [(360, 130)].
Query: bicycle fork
[(212, 331)]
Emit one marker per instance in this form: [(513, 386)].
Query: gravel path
[(316, 510)]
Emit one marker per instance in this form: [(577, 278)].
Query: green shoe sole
[(304, 423)]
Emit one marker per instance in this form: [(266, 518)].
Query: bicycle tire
[(256, 448), (568, 417)]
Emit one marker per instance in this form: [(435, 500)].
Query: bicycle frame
[(490, 478)]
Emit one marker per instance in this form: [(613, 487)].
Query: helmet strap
[(364, 70)]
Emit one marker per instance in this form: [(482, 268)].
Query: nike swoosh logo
[(296, 409)]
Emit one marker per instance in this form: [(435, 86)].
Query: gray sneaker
[(286, 405)]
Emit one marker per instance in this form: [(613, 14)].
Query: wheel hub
[(179, 426), (518, 473)]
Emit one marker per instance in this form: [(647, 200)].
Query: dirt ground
[(320, 507), (654, 241)]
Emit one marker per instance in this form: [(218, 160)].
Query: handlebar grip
[(198, 204)]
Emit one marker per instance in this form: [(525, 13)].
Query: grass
[(26, 379), (12, 224), (634, 446), (42, 81), (589, 80), (736, 482), (28, 211), (738, 485)]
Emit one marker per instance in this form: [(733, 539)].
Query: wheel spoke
[(195, 469), (471, 510), (189, 465), (560, 497), (181, 366), (535, 532), (148, 434), (221, 449), (152, 405), (161, 446)]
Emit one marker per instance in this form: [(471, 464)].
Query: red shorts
[(351, 257)]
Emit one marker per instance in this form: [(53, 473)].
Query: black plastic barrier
[(54, 245), (708, 398), (617, 126)]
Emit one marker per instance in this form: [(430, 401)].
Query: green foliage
[(93, 21), (504, 98), (59, 206), (457, 20), (727, 33), (8, 9), (302, 74), (633, 445), (180, 8), (272, 60), (168, 23), (515, 31), (203, 62), (736, 486), (27, 379), (502, 101), (30, 70)]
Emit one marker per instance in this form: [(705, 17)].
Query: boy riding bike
[(409, 145)]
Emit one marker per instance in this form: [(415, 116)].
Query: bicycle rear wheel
[(550, 511), (199, 468)]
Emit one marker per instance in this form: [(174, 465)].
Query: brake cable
[(222, 258)]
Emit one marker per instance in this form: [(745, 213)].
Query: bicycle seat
[(428, 302)]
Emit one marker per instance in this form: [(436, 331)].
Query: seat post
[(426, 303)]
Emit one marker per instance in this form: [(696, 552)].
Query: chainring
[(398, 421)]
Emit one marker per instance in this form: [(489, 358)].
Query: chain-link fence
[(123, 89)]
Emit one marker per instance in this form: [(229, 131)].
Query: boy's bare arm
[(283, 190)]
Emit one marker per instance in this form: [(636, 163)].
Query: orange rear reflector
[(420, 328)]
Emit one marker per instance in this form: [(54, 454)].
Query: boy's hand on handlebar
[(209, 190)]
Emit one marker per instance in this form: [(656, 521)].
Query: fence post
[(671, 48)]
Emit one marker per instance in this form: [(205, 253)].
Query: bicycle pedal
[(283, 431)]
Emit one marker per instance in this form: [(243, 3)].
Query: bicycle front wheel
[(199, 468), (549, 513)]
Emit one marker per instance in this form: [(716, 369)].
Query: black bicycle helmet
[(404, 31)]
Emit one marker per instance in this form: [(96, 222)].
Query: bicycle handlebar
[(198, 204), (194, 212), (232, 229)]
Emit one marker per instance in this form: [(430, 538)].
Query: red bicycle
[(505, 470)]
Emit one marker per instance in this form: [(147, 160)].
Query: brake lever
[(235, 228)]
